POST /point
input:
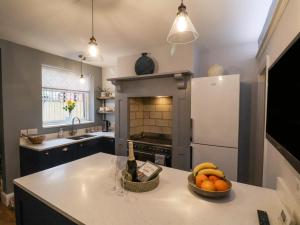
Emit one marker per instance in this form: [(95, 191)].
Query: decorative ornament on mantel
[(144, 65), (183, 30), (215, 70)]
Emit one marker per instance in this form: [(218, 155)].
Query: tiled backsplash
[(150, 114)]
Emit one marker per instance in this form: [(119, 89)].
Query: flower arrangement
[(70, 105)]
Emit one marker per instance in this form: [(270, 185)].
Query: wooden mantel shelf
[(179, 76)]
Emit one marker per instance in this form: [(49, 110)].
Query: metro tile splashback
[(150, 114)]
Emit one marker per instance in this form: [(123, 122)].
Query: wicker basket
[(36, 139), (140, 186)]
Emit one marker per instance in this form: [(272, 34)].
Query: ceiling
[(63, 27)]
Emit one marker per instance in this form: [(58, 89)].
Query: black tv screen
[(283, 104)]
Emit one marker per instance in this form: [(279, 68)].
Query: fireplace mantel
[(179, 76), (176, 85)]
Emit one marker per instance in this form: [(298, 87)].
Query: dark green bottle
[(131, 168)]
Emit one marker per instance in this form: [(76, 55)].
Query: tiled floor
[(7, 216)]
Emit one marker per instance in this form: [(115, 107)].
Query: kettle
[(105, 125)]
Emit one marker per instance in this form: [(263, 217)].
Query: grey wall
[(1, 125), (237, 59), (21, 89)]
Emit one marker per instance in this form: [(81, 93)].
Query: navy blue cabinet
[(108, 145), (90, 147), (32, 161), (31, 211)]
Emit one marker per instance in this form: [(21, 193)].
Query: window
[(58, 87)]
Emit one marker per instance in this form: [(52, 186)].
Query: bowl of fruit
[(209, 181)]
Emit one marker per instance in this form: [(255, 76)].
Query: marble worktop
[(58, 142), (82, 191)]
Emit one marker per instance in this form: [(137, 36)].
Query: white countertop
[(81, 190), (54, 143)]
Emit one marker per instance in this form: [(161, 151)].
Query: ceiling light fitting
[(82, 78), (183, 30), (93, 46)]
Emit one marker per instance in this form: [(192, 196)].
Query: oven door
[(144, 156), (159, 159)]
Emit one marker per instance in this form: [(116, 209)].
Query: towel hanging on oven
[(160, 159)]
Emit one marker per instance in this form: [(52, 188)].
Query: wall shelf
[(105, 112), (105, 98)]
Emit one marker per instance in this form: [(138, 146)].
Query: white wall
[(237, 59), (287, 29), (275, 165), (165, 62)]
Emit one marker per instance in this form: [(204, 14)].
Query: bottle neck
[(131, 153)]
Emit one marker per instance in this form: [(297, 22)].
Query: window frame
[(64, 123)]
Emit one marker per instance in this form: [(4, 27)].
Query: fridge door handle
[(191, 157), (191, 121)]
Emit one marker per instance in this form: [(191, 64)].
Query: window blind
[(57, 78)]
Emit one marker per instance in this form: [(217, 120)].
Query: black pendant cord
[(81, 67)]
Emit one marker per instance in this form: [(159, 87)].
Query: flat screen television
[(283, 104)]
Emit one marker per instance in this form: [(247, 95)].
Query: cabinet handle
[(46, 153), (65, 149)]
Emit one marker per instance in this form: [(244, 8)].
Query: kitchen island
[(80, 192)]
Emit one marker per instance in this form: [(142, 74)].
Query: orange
[(221, 185), (213, 178), (200, 178), (208, 185)]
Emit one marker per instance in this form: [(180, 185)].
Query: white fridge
[(215, 122)]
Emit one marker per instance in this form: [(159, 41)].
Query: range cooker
[(153, 147)]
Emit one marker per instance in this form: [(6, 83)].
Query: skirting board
[(7, 199)]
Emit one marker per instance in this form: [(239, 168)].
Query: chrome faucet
[(73, 131)]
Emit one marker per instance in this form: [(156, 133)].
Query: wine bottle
[(131, 168)]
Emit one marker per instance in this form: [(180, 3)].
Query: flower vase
[(69, 118)]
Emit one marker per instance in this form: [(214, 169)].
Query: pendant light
[(82, 78), (93, 46), (183, 30)]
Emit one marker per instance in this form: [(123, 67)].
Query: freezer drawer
[(225, 158)]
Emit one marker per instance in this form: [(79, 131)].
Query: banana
[(218, 173), (205, 165)]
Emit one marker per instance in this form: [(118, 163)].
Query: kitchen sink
[(81, 137)]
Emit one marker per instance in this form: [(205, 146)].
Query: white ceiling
[(62, 27)]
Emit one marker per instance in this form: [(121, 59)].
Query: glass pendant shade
[(82, 79), (93, 47), (183, 30)]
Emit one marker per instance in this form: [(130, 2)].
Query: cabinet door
[(66, 154), (108, 145), (46, 159), (57, 156), (28, 161), (87, 148)]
